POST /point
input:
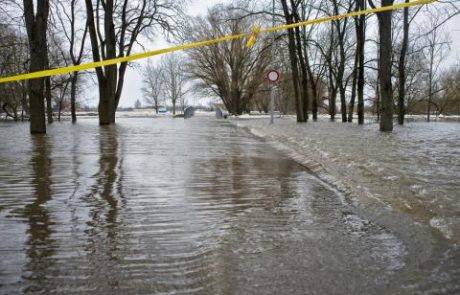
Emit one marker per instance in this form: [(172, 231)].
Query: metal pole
[(272, 96), (272, 103)]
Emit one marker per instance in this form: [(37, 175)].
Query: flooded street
[(173, 206)]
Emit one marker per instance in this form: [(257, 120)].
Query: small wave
[(443, 226)]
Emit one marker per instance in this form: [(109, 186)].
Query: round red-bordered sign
[(273, 75)]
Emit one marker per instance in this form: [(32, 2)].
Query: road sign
[(273, 75)]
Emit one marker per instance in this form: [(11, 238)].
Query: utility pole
[(272, 94)]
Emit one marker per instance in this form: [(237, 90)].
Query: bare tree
[(329, 53), (60, 88), (385, 64), (435, 17), (415, 79), (56, 87), (435, 44), (340, 26), (307, 8), (114, 28), (153, 86), (174, 79), (75, 35), (36, 25), (358, 72), (333, 44), (48, 94), (402, 67), (228, 70), (298, 74)]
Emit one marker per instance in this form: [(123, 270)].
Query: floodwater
[(173, 206), (407, 180)]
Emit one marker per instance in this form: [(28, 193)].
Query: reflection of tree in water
[(246, 190), (39, 242), (247, 176), (103, 200)]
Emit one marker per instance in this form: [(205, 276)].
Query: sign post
[(273, 76), (273, 72)]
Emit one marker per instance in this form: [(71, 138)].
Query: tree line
[(385, 64), (75, 31)]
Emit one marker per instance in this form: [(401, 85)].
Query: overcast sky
[(133, 80)]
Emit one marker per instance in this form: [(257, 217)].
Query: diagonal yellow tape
[(252, 39), (251, 36)]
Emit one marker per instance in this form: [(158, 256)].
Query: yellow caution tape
[(252, 38)]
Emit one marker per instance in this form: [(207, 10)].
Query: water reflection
[(105, 195), (41, 245), (169, 207)]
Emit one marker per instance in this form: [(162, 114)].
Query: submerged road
[(168, 206)]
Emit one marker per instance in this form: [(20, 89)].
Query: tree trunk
[(430, 82), (385, 62), (49, 107), (107, 78), (36, 32), (332, 98), (294, 64), (343, 102), (304, 78), (402, 68), (60, 109), (110, 71), (36, 101), (303, 67), (340, 84), (106, 98), (353, 89), (25, 108), (314, 88), (311, 77), (341, 68), (15, 114), (430, 98), (377, 105), (73, 93), (361, 39), (332, 87)]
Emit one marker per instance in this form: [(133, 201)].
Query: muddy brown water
[(173, 206)]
